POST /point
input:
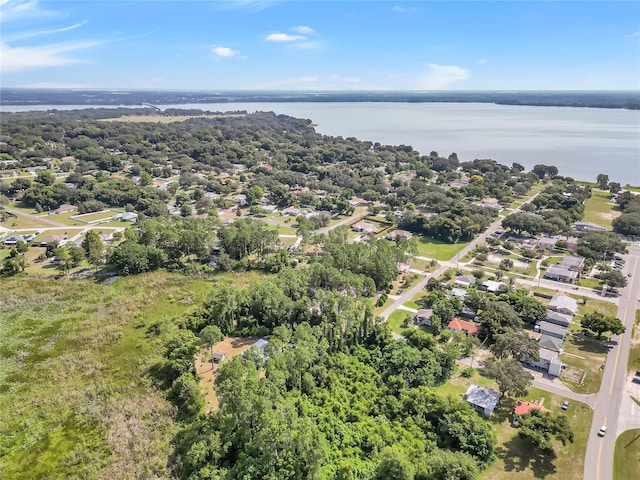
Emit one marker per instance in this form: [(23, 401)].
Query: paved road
[(413, 291), (614, 408)]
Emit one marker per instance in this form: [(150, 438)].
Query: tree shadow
[(587, 344), (519, 455)]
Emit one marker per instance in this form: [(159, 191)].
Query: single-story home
[(293, 211), (482, 399), (492, 286), (550, 343), (560, 273), (547, 243), (13, 241), (423, 317), (125, 217), (572, 262), (460, 293), (563, 304), (558, 318), (365, 227), (469, 328), (551, 329), (465, 281), (397, 234), (491, 203), (66, 208)]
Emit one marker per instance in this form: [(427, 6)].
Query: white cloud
[(482, 61), (26, 35), (284, 37), (14, 10), (303, 29), (13, 59), (633, 35), (440, 77), (224, 52), (398, 8)]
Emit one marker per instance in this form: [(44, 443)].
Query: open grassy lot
[(599, 209), (94, 217), (518, 460), (587, 355), (64, 218), (19, 221), (71, 378), (432, 248), (395, 321), (626, 460)]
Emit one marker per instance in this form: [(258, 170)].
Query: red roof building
[(469, 328), (523, 407)]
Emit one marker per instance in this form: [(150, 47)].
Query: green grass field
[(626, 460), (518, 460), (432, 248), (599, 209), (633, 363), (395, 321), (71, 378)]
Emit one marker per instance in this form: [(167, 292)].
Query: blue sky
[(320, 45)]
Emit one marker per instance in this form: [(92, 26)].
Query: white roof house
[(482, 399), (563, 304)]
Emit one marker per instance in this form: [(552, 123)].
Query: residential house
[(558, 318), (572, 262), (551, 329), (563, 304), (469, 328), (548, 362), (550, 343), (125, 217), (491, 203), (460, 293), (13, 241), (292, 211), (562, 274), (465, 281), (547, 243), (397, 234), (365, 227), (482, 399), (66, 208), (423, 317), (492, 286)]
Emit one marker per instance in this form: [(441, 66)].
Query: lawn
[(95, 216), (64, 218), (590, 283), (395, 321), (633, 363), (432, 248), (626, 460), (599, 209), (587, 355), (518, 460), (13, 223)]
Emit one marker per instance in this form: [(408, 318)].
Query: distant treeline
[(594, 99)]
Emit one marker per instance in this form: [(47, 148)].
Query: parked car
[(637, 373), (400, 290), (635, 380), (565, 405), (602, 431)]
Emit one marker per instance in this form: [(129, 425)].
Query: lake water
[(581, 142)]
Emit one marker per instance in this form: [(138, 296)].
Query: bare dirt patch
[(208, 371)]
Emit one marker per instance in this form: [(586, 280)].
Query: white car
[(602, 431)]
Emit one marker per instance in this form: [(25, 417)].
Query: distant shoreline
[(627, 100)]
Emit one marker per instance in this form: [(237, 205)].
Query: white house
[(563, 304), (482, 399)]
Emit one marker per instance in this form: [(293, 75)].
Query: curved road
[(614, 407)]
